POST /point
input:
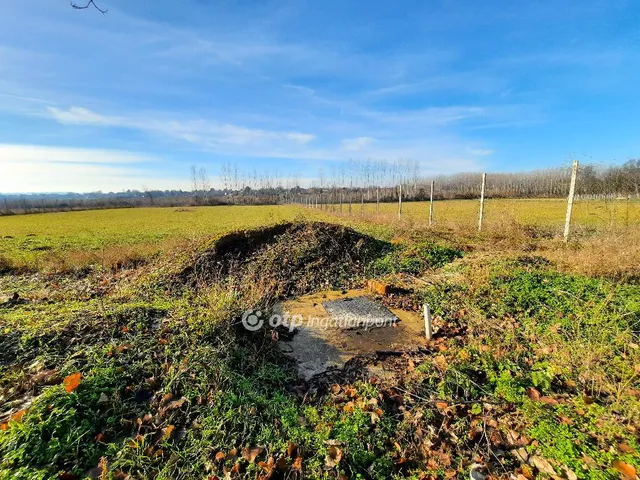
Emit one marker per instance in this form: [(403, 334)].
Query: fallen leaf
[(542, 465), (250, 454), (297, 464), (349, 407), (625, 469), (533, 394), (17, 417), (442, 405), (351, 392), (334, 455), (176, 404), (335, 389), (167, 432), (220, 456), (570, 474), (625, 448), (292, 448), (166, 399), (72, 381)]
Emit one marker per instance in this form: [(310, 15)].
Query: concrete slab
[(321, 344)]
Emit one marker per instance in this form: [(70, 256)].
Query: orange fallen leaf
[(4, 426), (442, 405), (351, 392), (349, 407), (533, 394), (72, 381), (625, 469), (220, 456), (17, 417), (168, 432), (297, 464), (250, 454)]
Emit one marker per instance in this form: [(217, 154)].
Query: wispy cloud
[(358, 143), (198, 131)]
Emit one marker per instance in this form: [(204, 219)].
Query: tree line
[(354, 180)]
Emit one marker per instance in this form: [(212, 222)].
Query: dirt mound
[(285, 260)]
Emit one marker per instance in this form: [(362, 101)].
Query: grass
[(535, 369), (68, 240)]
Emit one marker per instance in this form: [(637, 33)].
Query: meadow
[(59, 241), (122, 355)]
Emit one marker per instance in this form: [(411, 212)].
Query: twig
[(90, 2)]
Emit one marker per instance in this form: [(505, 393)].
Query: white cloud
[(197, 131), (357, 143), (480, 151), (37, 168)]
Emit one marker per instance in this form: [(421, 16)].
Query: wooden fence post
[(400, 200), (377, 200), (362, 205), (431, 204), (572, 191), (484, 183)]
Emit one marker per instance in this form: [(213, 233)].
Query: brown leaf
[(72, 381), (625, 469), (297, 464), (292, 448), (625, 448), (442, 405), (335, 389), (250, 454), (334, 455), (166, 399), (176, 404), (533, 394), (351, 392), (549, 400), (542, 465), (220, 456), (349, 407)]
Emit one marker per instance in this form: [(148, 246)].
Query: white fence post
[(484, 183), (572, 191), (428, 330), (431, 204)]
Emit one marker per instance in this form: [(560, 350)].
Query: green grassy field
[(60, 240), (119, 363)]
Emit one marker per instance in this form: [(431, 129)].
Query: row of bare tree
[(357, 180)]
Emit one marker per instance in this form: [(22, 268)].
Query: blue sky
[(134, 97)]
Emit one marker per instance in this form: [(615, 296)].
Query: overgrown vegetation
[(142, 371)]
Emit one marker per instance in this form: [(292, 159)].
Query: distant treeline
[(352, 181)]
